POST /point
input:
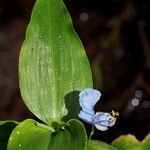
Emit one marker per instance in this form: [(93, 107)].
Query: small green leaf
[(98, 145), (28, 136), (53, 66), (6, 128), (72, 137), (127, 142)]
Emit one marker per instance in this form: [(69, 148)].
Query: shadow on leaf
[(72, 105)]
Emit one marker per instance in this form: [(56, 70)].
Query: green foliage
[(6, 128), (72, 137), (53, 69), (129, 142), (126, 142), (27, 135), (98, 145), (53, 66), (146, 142), (33, 136)]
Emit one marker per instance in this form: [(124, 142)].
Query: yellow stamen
[(114, 114)]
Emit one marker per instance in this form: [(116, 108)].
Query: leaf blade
[(52, 61), (71, 137), (27, 135)]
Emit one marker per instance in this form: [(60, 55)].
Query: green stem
[(92, 132)]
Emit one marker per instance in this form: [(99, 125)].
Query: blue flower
[(102, 120)]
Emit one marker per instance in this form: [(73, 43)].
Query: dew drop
[(59, 37), (17, 132), (62, 128)]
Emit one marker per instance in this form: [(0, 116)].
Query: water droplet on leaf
[(59, 37), (17, 132)]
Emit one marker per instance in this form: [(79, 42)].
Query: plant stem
[(92, 132)]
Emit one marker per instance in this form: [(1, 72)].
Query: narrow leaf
[(53, 66)]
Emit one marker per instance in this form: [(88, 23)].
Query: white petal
[(101, 127)]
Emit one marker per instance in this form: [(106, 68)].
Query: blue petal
[(88, 98), (104, 119), (88, 118)]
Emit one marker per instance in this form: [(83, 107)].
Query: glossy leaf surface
[(53, 66)]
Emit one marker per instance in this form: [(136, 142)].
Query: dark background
[(116, 36)]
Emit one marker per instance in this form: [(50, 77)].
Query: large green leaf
[(98, 145), (30, 135), (53, 66), (6, 128)]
